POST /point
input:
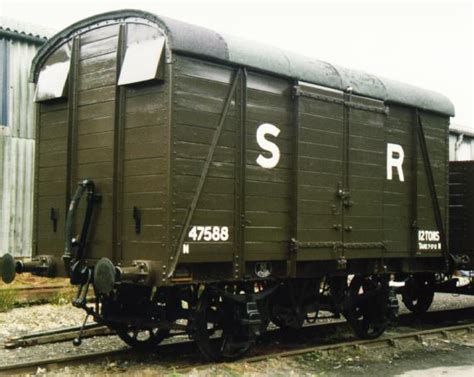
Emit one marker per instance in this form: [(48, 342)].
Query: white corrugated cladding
[(17, 149), (461, 143)]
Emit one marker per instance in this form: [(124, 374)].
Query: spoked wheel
[(142, 339), (367, 306), (418, 294), (217, 331)]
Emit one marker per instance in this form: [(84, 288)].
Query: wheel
[(142, 339), (418, 294), (366, 307), (217, 331), (148, 310), (288, 307), (285, 317)]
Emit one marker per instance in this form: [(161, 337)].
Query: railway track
[(383, 342), (37, 295), (288, 344)]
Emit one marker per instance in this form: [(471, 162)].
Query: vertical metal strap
[(346, 138), (119, 123), (168, 139), (432, 188), (240, 166), (205, 170), (71, 167), (414, 191), (291, 267), (346, 179)]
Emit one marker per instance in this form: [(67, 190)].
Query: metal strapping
[(205, 170), (303, 93), (432, 188), (71, 170), (341, 245)]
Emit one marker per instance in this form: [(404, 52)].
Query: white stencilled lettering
[(268, 162), (209, 233), (395, 157)]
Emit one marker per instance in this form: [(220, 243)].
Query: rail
[(182, 347)]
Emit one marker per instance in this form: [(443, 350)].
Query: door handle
[(53, 215)]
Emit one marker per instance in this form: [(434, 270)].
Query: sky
[(424, 43)]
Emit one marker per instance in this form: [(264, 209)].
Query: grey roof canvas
[(200, 41)]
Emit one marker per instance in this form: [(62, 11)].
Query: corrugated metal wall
[(17, 150), (461, 148)]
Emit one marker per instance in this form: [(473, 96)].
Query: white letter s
[(268, 162)]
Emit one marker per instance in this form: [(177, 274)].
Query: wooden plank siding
[(145, 169), (363, 216), (268, 201), (380, 210), (51, 179), (146, 146), (200, 90), (143, 156), (96, 94), (320, 174)]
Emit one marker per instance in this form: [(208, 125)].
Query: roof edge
[(21, 36), (197, 40), (66, 33)]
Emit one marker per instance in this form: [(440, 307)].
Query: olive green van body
[(177, 158)]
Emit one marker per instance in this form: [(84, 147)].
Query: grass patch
[(62, 297), (8, 299)]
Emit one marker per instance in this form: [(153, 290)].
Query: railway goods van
[(202, 183), (461, 211)]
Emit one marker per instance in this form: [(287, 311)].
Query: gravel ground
[(29, 319), (24, 320)]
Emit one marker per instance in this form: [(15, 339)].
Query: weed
[(8, 299), (61, 298)]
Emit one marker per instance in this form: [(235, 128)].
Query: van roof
[(206, 43)]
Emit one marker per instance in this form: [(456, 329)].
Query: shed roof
[(24, 31), (461, 130), (200, 41)]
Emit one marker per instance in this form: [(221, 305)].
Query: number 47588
[(209, 233)]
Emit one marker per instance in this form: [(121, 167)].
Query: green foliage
[(61, 298), (8, 299)]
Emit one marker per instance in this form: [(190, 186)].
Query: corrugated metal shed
[(18, 45), (18, 30), (461, 143)]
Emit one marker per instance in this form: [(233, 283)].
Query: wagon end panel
[(143, 164), (113, 133), (92, 103), (50, 185)]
